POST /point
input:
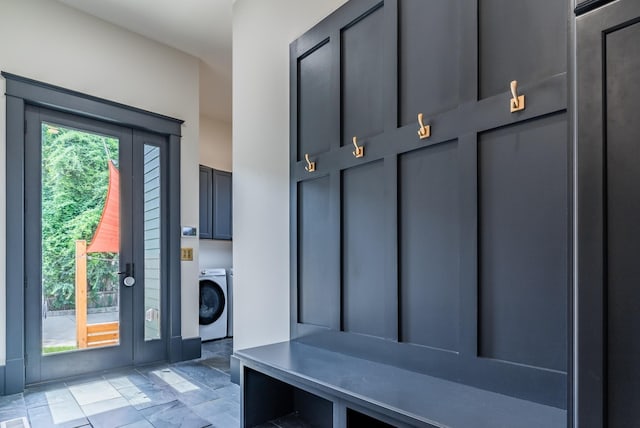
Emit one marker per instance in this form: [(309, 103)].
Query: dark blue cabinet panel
[(428, 74), (523, 263), (318, 291), (362, 78), (363, 255), (314, 101), (523, 40), (429, 236), (222, 205)]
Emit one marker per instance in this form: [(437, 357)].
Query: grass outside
[(54, 349)]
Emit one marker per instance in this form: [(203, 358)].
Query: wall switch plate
[(186, 254)]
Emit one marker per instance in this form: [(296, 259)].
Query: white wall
[(215, 143), (262, 31), (47, 41), (215, 254), (215, 151)]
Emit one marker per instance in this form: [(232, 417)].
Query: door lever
[(128, 280), (128, 270)]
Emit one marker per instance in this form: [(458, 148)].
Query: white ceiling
[(201, 28)]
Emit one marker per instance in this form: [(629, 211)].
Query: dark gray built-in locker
[(449, 254)]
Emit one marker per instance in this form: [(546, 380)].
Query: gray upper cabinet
[(215, 204), (450, 252)]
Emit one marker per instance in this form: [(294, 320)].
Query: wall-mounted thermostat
[(189, 231)]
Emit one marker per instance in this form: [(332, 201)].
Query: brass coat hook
[(311, 166), (425, 131), (359, 151), (517, 102)]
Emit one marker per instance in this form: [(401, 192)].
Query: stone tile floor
[(195, 393)]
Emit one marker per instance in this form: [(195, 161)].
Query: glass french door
[(94, 246)]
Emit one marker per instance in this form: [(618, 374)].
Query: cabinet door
[(222, 217), (608, 42), (205, 202)]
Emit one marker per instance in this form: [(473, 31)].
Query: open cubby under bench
[(322, 388)]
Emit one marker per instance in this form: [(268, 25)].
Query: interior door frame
[(21, 92)]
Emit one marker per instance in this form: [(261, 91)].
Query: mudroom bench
[(317, 387)]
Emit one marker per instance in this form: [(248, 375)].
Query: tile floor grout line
[(77, 402)]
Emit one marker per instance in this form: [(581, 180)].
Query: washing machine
[(213, 304)]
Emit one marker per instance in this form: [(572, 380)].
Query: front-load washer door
[(212, 302)]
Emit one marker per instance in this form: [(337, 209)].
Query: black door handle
[(128, 270)]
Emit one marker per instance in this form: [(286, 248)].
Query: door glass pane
[(80, 239), (152, 239)]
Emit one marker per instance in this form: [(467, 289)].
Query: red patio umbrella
[(107, 236)]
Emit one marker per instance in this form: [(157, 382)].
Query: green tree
[(75, 177)]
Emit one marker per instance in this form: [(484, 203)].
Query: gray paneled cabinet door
[(222, 205), (453, 247), (216, 212), (608, 42)]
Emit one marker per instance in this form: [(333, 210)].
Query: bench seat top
[(398, 392)]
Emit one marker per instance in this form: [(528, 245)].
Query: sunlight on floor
[(16, 423), (175, 381), (63, 406), (91, 399)]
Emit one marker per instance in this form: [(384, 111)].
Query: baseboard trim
[(2, 380), (184, 349), (175, 349), (13, 376), (235, 369), (191, 348)]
